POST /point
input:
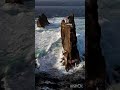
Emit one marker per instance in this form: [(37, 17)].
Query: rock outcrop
[(1, 82), (14, 1), (95, 63), (69, 42), (42, 21)]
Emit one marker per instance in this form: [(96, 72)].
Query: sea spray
[(48, 46)]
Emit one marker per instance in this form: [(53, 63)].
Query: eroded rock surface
[(42, 21), (69, 42)]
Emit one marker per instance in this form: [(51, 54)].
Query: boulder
[(14, 1), (42, 21), (69, 43), (94, 60)]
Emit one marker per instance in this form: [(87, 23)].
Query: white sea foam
[(49, 49)]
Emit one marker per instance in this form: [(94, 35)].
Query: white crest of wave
[(49, 49)]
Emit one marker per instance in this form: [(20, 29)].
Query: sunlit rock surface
[(69, 43)]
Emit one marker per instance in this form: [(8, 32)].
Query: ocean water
[(48, 47), (60, 11)]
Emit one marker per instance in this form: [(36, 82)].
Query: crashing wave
[(48, 47)]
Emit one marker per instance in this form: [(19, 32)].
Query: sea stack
[(69, 43), (94, 60), (42, 21), (14, 1)]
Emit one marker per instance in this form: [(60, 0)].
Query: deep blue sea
[(60, 11)]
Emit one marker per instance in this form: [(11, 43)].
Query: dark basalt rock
[(69, 43), (95, 63), (2, 82), (14, 1), (42, 21)]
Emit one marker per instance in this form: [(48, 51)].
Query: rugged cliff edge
[(17, 46), (95, 63), (69, 43), (42, 21)]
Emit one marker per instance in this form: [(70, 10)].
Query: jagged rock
[(2, 82), (42, 21), (14, 1), (69, 43), (95, 63)]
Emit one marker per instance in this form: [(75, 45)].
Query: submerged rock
[(69, 43), (42, 21), (44, 80)]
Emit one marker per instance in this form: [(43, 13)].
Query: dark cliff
[(69, 42), (17, 46), (109, 18), (95, 63), (14, 1), (42, 21)]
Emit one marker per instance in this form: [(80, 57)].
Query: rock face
[(42, 21), (69, 43), (14, 1), (1, 82), (95, 63)]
